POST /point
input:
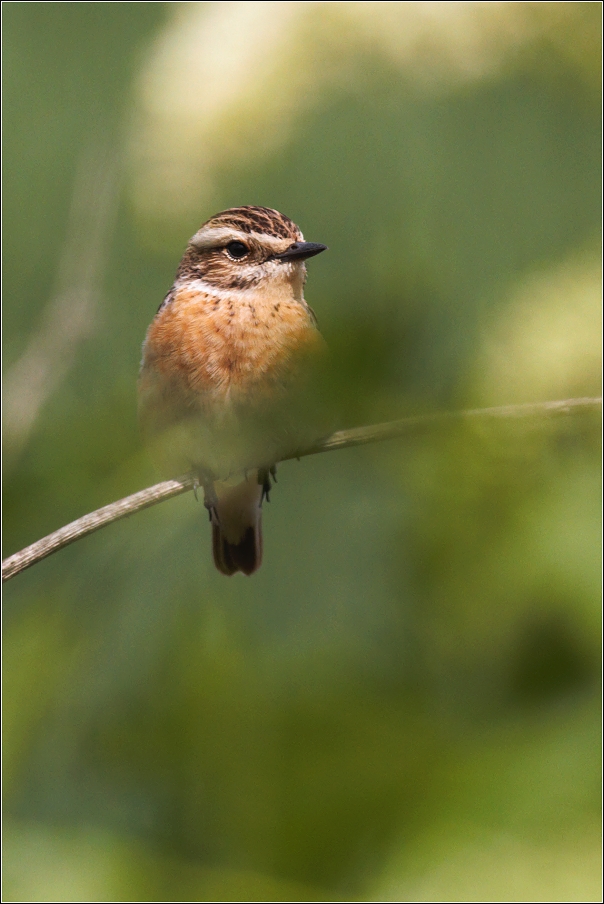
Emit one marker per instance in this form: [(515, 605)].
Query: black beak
[(299, 251)]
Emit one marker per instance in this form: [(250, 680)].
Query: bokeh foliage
[(404, 702)]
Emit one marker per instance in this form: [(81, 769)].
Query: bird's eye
[(237, 250)]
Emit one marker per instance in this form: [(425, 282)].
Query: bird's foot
[(210, 499), (264, 479)]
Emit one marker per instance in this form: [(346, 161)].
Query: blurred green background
[(403, 704)]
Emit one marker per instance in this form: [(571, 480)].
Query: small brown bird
[(223, 386)]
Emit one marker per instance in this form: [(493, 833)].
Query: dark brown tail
[(237, 527), (245, 556)]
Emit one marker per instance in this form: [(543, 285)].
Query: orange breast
[(222, 383), (240, 343)]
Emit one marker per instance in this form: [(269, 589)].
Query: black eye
[(237, 250)]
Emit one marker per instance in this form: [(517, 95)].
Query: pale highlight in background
[(225, 82), (505, 868), (546, 342)]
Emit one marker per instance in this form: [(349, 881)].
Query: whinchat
[(225, 362)]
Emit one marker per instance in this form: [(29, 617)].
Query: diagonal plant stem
[(342, 439)]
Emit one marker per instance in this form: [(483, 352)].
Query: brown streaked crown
[(263, 220)]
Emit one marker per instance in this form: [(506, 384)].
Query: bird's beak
[(299, 251)]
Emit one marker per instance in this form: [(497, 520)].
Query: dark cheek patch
[(215, 268), (224, 273)]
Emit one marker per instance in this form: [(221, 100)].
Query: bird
[(224, 389)]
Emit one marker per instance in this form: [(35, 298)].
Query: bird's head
[(248, 248)]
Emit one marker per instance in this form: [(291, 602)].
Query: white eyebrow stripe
[(206, 288), (212, 236)]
